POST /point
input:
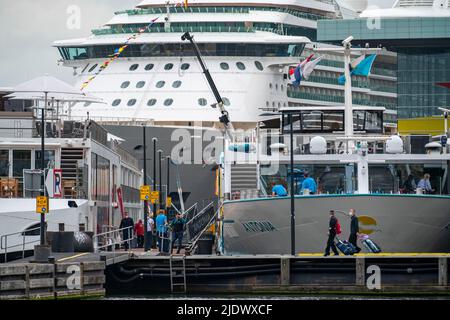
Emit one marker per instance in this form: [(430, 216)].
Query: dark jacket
[(127, 223), (178, 224), (354, 225), (333, 222)]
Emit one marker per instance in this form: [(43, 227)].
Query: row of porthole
[(276, 87), (168, 102), (167, 67), (159, 84), (274, 104), (184, 66)]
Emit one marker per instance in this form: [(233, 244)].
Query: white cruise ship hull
[(397, 223)]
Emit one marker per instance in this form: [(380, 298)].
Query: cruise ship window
[(125, 85), (226, 101), (270, 85), (259, 66), (93, 67), (131, 102), (185, 66), (176, 84), (168, 102), (168, 66), (203, 102), (149, 67), (240, 65), (224, 66), (87, 104), (160, 84), (140, 84), (134, 67), (116, 102), (151, 102)]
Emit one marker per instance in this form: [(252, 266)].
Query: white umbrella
[(47, 84), (60, 97)]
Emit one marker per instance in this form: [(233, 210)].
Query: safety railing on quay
[(4, 242)]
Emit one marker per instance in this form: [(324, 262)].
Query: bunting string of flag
[(117, 53)]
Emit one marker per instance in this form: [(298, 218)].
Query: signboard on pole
[(154, 197), (53, 183), (145, 193), (42, 205), (169, 202)]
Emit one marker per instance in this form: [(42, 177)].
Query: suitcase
[(371, 246), (346, 247)]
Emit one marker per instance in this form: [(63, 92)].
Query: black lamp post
[(291, 119), (42, 226), (168, 182), (160, 176), (154, 172), (146, 244)]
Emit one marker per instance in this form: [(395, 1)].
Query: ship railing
[(4, 242), (193, 242), (109, 240)]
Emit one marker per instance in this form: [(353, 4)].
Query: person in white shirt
[(150, 229)]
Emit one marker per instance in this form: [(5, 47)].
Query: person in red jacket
[(139, 230)]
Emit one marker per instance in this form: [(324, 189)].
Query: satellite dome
[(318, 145), (394, 145)]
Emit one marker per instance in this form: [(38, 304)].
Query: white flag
[(309, 67)]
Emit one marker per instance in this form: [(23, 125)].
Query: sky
[(28, 29)]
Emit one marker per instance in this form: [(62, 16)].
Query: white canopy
[(53, 96), (48, 87)]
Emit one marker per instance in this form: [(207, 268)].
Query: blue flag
[(362, 69)]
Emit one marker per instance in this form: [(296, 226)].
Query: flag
[(363, 68), (297, 76), (309, 67), (303, 70)]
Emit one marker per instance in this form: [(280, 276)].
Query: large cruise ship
[(248, 46)]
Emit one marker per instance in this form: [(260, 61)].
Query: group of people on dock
[(159, 227)]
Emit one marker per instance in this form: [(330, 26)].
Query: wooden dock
[(88, 275), (277, 274), (66, 275)]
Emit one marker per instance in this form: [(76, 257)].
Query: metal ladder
[(178, 274)]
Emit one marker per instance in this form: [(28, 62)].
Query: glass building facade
[(423, 57), (419, 70)]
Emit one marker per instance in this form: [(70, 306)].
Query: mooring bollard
[(360, 269), (285, 268), (443, 267)]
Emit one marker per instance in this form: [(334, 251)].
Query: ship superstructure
[(248, 47)]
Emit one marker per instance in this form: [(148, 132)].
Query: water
[(273, 297)]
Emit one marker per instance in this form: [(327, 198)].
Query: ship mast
[(347, 50)]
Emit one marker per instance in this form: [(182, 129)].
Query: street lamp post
[(146, 244), (291, 119), (160, 176), (42, 226), (154, 171), (168, 181)]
